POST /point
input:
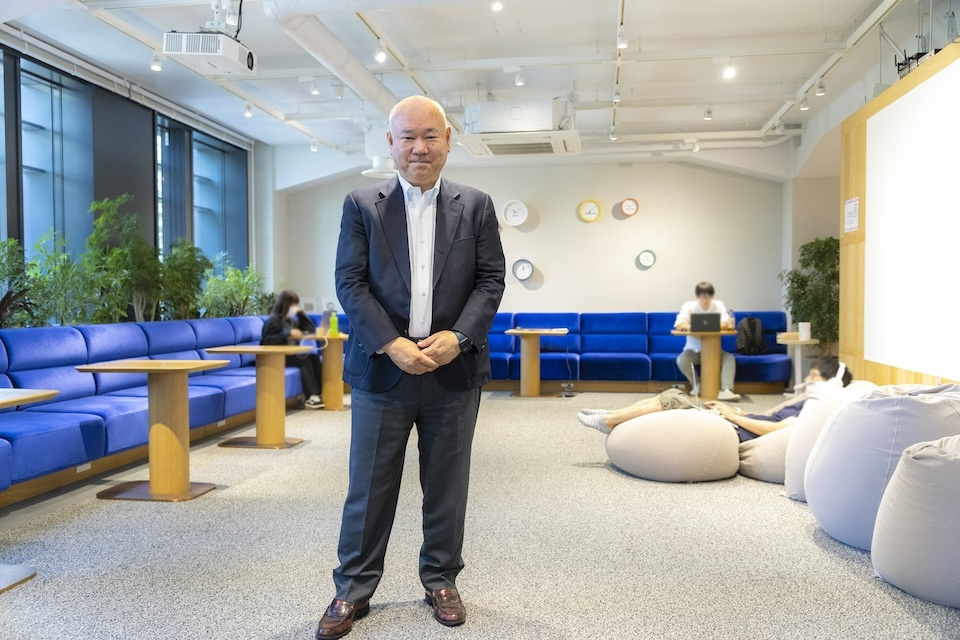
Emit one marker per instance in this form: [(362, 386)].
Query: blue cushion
[(215, 332), (42, 443), (501, 343), (613, 343), (293, 387), (246, 329), (553, 366), (239, 392), (501, 322), (613, 323), (615, 366), (500, 365), (663, 367), (124, 419), (41, 347), (6, 464), (66, 379), (206, 402), (169, 335), (769, 367), (113, 341), (660, 323)]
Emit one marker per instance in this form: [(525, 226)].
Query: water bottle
[(733, 320), (334, 325)]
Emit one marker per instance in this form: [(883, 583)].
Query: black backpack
[(750, 337)]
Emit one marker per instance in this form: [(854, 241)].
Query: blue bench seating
[(99, 420), (605, 349)]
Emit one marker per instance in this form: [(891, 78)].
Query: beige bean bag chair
[(918, 523), (765, 458), (683, 445)]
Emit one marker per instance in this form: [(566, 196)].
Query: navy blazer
[(373, 280)]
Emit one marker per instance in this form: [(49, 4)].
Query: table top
[(794, 338), (285, 349), (14, 397), (520, 331), (700, 334), (323, 335), (152, 366)]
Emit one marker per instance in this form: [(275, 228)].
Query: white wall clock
[(588, 210), (646, 259), (522, 269), (629, 206), (515, 213)]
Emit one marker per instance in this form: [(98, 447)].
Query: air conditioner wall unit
[(210, 53), (486, 145)]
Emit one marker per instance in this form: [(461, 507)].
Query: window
[(56, 154)]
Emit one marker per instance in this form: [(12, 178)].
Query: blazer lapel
[(393, 220), (449, 212)]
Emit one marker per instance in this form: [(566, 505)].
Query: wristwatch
[(466, 344)]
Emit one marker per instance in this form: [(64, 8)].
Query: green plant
[(16, 308), (230, 291), (58, 285), (106, 262), (182, 280), (812, 291), (145, 279)]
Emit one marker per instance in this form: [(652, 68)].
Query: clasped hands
[(429, 354)]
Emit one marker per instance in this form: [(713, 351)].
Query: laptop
[(704, 322)]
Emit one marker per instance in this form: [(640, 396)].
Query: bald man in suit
[(420, 274)]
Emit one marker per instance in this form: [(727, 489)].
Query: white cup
[(804, 330)]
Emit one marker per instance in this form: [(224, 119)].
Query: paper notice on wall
[(851, 215)]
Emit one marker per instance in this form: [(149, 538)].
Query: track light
[(613, 133), (380, 53), (778, 128), (519, 80), (314, 145), (804, 105), (336, 89), (247, 111), (314, 88), (496, 6), (621, 38), (708, 113), (156, 64), (616, 93), (821, 89), (729, 72), (696, 146)]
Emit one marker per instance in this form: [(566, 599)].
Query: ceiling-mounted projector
[(212, 54)]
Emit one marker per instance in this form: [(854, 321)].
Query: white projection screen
[(912, 253)]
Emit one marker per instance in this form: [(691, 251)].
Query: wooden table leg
[(13, 574), (169, 445), (332, 370), (529, 365), (710, 354), (271, 407)]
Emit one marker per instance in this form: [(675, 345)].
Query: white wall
[(702, 224)]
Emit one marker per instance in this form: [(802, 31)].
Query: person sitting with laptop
[(748, 425), (690, 356)]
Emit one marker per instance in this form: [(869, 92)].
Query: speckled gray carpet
[(559, 545)]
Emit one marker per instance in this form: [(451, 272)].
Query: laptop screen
[(704, 322)]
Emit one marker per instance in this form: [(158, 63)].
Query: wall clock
[(629, 206), (515, 213), (646, 259), (522, 269), (588, 210)]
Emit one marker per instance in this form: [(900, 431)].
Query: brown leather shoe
[(338, 619), (448, 608)]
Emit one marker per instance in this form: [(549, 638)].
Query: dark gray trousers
[(381, 426)]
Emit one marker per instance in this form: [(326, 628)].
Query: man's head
[(826, 368), (419, 140), (704, 291)]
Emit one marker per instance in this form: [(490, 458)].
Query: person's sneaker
[(313, 402), (695, 390), (728, 395)]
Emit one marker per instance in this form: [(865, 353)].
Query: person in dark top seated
[(287, 324), (748, 425)]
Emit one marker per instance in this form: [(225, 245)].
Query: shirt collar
[(406, 186)]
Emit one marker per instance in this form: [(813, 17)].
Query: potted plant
[(16, 308), (230, 291), (812, 290), (182, 280)]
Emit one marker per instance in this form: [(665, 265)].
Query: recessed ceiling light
[(729, 72), (496, 6)]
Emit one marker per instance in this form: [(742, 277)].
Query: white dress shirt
[(421, 231)]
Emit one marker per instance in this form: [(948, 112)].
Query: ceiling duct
[(496, 129)]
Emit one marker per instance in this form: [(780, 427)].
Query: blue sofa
[(627, 347), (97, 416)]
